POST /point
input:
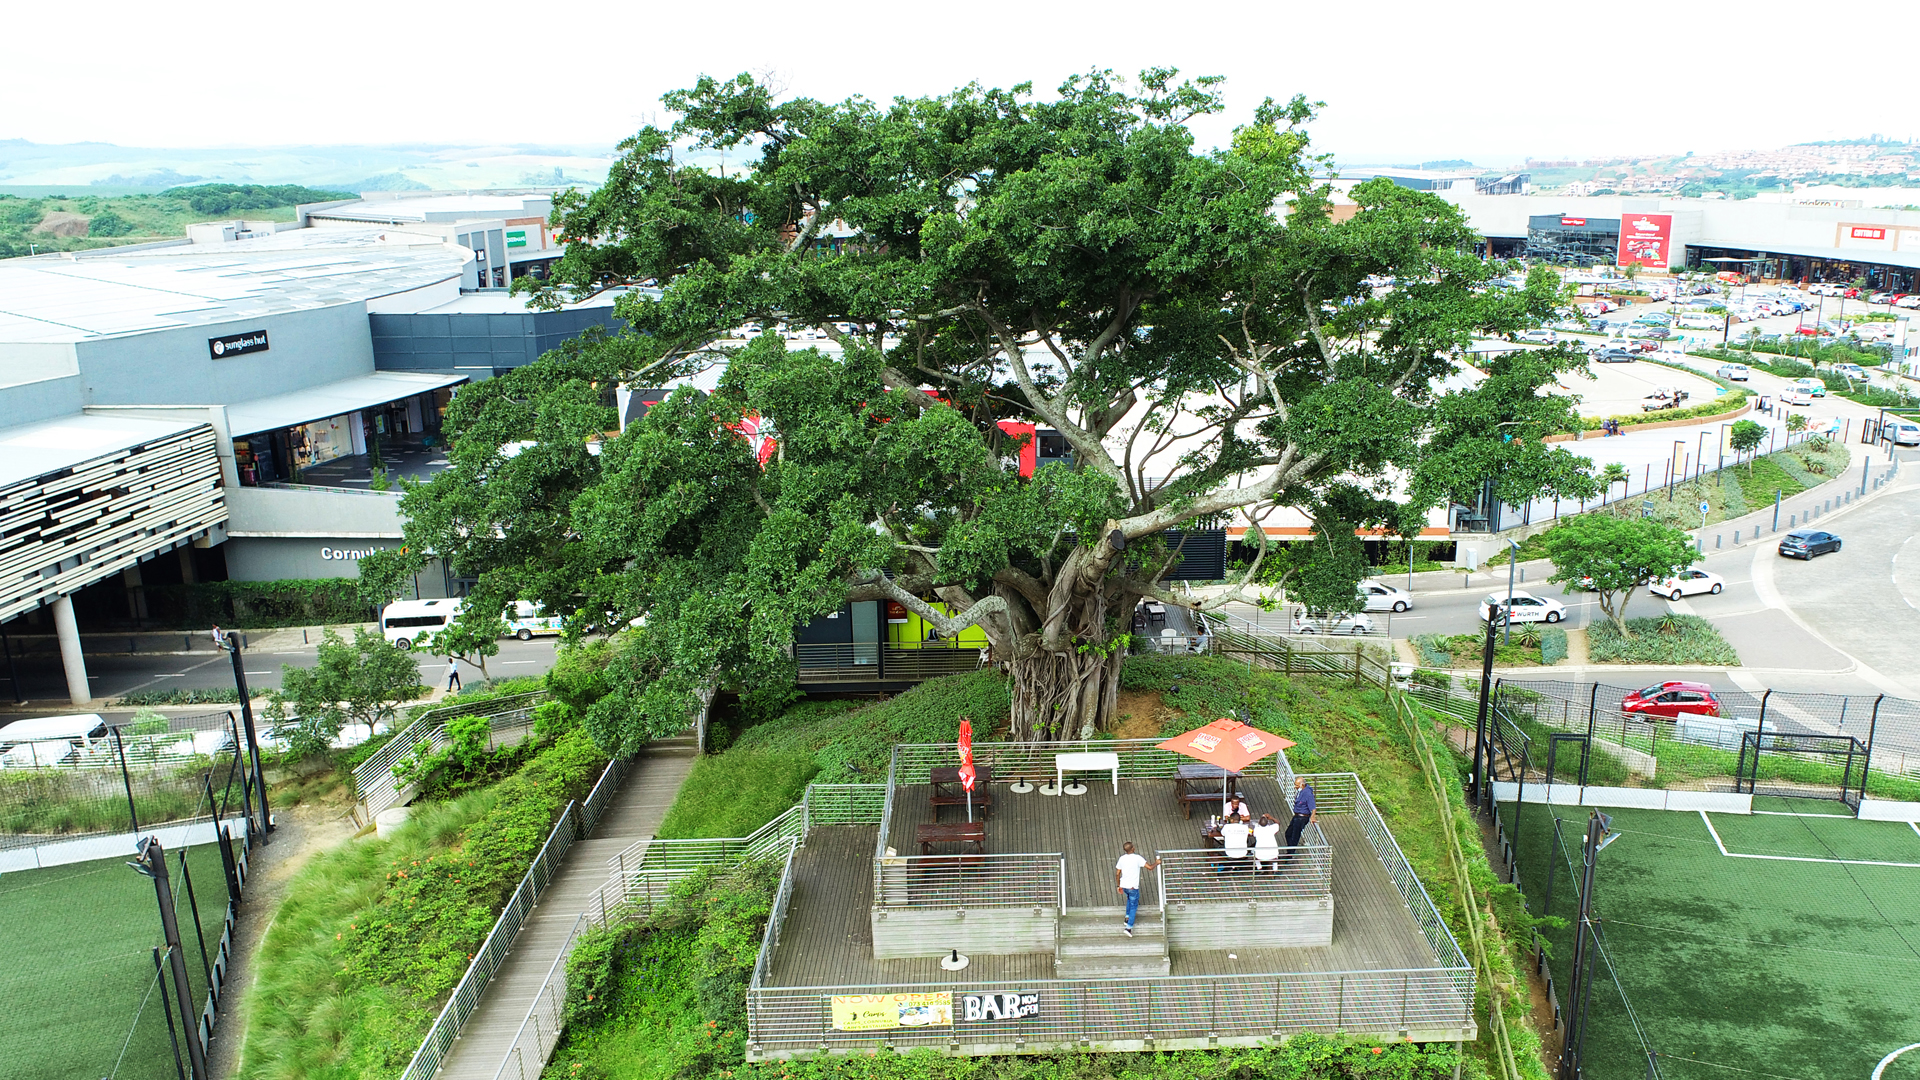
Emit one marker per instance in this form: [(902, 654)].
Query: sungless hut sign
[(874, 1012)]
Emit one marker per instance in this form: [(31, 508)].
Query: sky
[(1402, 82)]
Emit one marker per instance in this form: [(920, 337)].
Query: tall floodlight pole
[(1482, 753), (232, 644), (151, 861), (1580, 990)]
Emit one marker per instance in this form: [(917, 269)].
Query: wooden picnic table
[(958, 832), (947, 790), (1191, 784)]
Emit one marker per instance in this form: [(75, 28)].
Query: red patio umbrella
[(1229, 744)]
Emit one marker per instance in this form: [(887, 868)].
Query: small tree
[(474, 633), (364, 682), (1615, 556), (1615, 473), (1746, 437)]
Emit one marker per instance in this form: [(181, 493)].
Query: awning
[(333, 399), (36, 450)]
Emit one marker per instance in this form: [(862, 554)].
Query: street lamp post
[(232, 644), (151, 862), (1513, 561)]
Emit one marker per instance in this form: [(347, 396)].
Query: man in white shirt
[(1234, 835), (1266, 842), (1126, 880)]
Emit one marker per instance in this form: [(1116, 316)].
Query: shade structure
[(1229, 744)]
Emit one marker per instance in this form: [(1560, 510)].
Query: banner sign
[(1645, 239), (876, 1012), (1015, 1006), (251, 341), (1859, 232), (1573, 222)]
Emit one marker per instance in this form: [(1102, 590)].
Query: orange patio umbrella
[(1229, 744)]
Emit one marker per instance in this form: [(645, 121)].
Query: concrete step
[(1075, 928), (1111, 967)]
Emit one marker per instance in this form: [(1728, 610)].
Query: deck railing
[(1140, 759), (539, 1033), (776, 920), (373, 779), (967, 881), (1196, 1009), (1446, 950), (870, 661), (1205, 876)]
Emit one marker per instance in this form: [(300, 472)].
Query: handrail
[(373, 778), (1193, 875), (553, 994)]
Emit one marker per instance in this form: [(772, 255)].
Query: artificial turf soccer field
[(1783, 944), (77, 966)]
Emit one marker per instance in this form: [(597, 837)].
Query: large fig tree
[(1212, 336)]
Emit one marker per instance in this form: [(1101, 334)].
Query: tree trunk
[(1063, 695)]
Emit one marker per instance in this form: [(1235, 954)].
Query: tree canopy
[(1213, 338), (1615, 557)]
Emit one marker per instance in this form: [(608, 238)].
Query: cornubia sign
[(234, 345)]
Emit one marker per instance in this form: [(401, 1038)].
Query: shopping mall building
[(1828, 240), (236, 405)]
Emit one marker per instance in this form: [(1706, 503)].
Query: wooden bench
[(1186, 777), (947, 790), (958, 832)]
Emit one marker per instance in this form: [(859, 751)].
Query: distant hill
[(39, 168)]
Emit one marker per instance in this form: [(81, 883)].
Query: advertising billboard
[(1645, 239), (877, 1012)]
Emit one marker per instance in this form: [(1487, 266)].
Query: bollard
[(1716, 541)]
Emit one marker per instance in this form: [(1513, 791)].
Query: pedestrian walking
[(1126, 879), (453, 674), (1304, 813), (219, 637)]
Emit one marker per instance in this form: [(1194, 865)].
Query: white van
[(1702, 320), (526, 619), (407, 623)]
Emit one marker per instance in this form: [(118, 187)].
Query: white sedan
[(1526, 608), (1315, 623), (1380, 596), (1687, 583)]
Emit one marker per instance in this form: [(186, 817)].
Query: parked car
[(1813, 387), (1851, 370), (1654, 333), (1794, 395), (1688, 583), (1526, 608), (1734, 372), (1912, 300), (1663, 398), (1381, 596), (1540, 337), (1309, 622), (1806, 543), (1615, 354), (1881, 298), (1901, 432), (1671, 699)]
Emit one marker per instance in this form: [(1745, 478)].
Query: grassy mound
[(373, 936)]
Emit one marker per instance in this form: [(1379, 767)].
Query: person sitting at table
[(1234, 835), (1266, 843), (1237, 809)]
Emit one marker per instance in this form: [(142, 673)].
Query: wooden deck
[(828, 937)]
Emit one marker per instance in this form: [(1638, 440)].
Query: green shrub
[(1695, 641), (734, 793), (1553, 644), (219, 695), (252, 605), (1433, 650), (1432, 678)]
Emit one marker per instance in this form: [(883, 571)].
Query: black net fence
[(1805, 744), (89, 987)]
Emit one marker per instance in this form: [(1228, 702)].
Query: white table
[(1088, 761)]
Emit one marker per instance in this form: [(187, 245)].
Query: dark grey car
[(1806, 543)]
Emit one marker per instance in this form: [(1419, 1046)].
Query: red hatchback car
[(1671, 699)]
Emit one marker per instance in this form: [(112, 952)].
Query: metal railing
[(967, 881), (1348, 657), (539, 1033), (1195, 876), (1334, 793), (1446, 950), (872, 661), (493, 951), (603, 792), (776, 921), (1077, 1013), (373, 779), (1140, 759)]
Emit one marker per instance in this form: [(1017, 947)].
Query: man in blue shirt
[(1303, 812)]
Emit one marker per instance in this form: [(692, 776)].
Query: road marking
[(1880, 1069), (175, 675), (503, 663), (259, 672)]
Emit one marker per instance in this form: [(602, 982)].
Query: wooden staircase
[(1093, 944)]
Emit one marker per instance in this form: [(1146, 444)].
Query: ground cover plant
[(1796, 966), (77, 985), (1531, 646), (373, 935), (1667, 639), (659, 1026)]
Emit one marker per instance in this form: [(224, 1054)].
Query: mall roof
[(437, 208), (36, 450), (63, 298), (333, 399)]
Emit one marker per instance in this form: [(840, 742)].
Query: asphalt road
[(44, 683)]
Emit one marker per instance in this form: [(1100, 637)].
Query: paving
[(634, 814)]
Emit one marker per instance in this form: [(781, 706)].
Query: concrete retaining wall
[(1718, 802), (901, 933), (1889, 810), (1286, 924)]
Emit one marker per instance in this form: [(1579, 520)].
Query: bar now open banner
[(1645, 239)]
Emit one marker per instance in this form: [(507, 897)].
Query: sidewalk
[(635, 814)]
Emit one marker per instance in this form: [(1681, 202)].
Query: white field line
[(1880, 1069), (1799, 858)]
